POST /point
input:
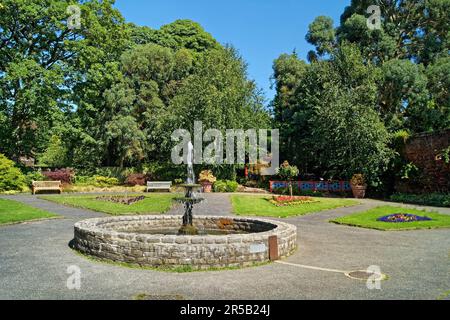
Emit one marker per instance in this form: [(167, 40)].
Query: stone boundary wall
[(112, 238)]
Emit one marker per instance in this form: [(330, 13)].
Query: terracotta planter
[(359, 192), (207, 186)]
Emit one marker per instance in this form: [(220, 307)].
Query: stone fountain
[(202, 243)]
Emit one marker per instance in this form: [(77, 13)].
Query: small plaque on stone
[(258, 248)]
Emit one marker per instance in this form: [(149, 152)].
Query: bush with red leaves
[(63, 175), (136, 179)]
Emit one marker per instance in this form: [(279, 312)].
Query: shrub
[(63, 175), (232, 186), (84, 180), (225, 186), (430, 199), (220, 186), (120, 174), (33, 176), (101, 181), (11, 178), (55, 155), (136, 179), (96, 181), (161, 171), (178, 181)]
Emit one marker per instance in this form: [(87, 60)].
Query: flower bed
[(121, 199), (403, 217), (283, 201)]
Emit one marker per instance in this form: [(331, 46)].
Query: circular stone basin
[(152, 240)]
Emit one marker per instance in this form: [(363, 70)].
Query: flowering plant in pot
[(359, 186), (206, 179)]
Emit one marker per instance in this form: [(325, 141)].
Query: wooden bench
[(159, 185), (46, 185)]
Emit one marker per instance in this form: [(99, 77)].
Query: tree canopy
[(108, 92), (362, 85)]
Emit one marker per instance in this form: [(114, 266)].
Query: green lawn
[(260, 206), (153, 203), (15, 212), (368, 219)]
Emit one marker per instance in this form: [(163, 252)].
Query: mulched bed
[(121, 199), (403, 217)]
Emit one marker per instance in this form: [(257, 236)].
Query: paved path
[(34, 258)]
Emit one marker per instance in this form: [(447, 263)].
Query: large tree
[(48, 68), (332, 121), (412, 38)]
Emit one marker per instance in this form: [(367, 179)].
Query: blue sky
[(260, 29)]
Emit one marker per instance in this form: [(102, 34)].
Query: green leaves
[(10, 177), (321, 34), (334, 128)]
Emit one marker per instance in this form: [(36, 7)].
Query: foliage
[(164, 171), (110, 93), (446, 155), (411, 51), (429, 199), (409, 170), (47, 67), (136, 179), (219, 94), (55, 155), (287, 172), (207, 176), (63, 175), (342, 113), (178, 181), (34, 176), (11, 178), (225, 186), (332, 120), (97, 181), (322, 35)]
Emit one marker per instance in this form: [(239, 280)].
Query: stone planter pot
[(207, 186), (359, 192)]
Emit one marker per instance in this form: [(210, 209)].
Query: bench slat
[(159, 185)]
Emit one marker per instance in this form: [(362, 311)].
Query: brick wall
[(425, 152)]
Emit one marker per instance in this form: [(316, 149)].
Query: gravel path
[(34, 258)]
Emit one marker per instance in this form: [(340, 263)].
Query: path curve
[(34, 258)]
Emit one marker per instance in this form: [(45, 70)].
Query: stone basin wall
[(113, 239)]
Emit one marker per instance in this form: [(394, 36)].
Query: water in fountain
[(190, 164)]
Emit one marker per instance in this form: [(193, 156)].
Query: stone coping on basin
[(112, 239)]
